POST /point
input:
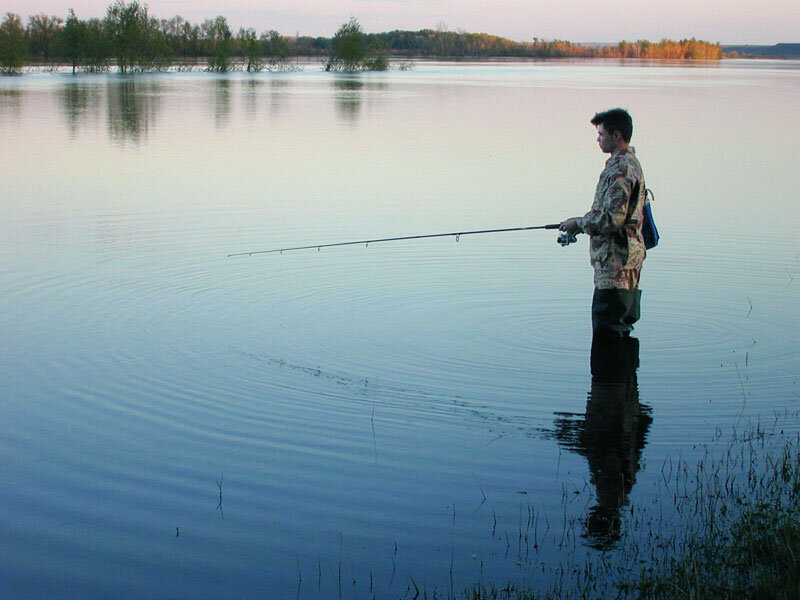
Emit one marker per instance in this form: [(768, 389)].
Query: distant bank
[(776, 51), (130, 38)]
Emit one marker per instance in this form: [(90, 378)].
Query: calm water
[(175, 423)]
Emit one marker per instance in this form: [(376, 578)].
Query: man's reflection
[(611, 435)]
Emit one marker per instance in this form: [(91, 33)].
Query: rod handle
[(553, 226)]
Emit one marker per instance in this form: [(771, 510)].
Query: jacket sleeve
[(608, 215)]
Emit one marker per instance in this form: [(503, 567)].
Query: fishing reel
[(565, 239)]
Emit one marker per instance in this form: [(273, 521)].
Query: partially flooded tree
[(350, 51), (182, 37), (42, 32), (277, 48), (251, 49), (348, 48), (12, 44), (219, 42), (136, 39), (83, 43), (71, 42)]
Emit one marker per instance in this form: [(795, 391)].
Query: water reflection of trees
[(349, 94), (221, 101), (133, 106), (250, 94), (348, 98), (611, 435), (10, 102), (278, 97), (78, 101)]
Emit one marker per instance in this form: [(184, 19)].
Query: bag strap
[(635, 192)]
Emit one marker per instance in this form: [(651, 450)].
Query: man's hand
[(570, 226)]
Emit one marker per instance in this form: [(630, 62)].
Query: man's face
[(608, 142)]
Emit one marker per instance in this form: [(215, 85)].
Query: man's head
[(614, 129)]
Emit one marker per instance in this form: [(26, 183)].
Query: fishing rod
[(457, 235)]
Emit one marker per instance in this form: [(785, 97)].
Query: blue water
[(177, 423)]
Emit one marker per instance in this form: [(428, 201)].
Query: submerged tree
[(277, 48), (251, 49), (83, 43), (12, 44), (72, 38), (42, 33), (218, 39), (348, 48), (136, 39), (350, 51)]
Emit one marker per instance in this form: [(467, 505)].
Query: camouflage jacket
[(613, 223)]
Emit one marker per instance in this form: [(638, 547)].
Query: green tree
[(252, 50), (83, 43), (42, 32), (71, 42), (348, 48), (276, 46), (136, 40), (182, 37), (12, 44), (96, 47), (219, 44)]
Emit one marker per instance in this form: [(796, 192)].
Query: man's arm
[(610, 216)]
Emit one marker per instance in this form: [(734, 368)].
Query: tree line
[(134, 40), (442, 43)]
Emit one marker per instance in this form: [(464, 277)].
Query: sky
[(724, 21)]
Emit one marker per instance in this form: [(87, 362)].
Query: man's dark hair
[(616, 119)]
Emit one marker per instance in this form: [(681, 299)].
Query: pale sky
[(725, 21)]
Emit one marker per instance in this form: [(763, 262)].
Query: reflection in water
[(250, 94), (348, 97), (132, 109), (221, 97), (611, 435), (79, 103), (278, 97), (349, 93), (10, 102)]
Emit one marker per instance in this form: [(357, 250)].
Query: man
[(614, 225)]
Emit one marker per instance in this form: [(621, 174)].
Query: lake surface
[(176, 423)]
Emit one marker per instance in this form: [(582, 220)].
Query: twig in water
[(452, 549), (482, 494), (744, 396), (219, 485), (299, 577), (374, 439)]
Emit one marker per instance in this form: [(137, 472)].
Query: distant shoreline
[(133, 40)]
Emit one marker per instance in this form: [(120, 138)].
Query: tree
[(251, 49), (12, 44), (218, 39), (83, 43), (182, 37), (348, 48), (42, 32), (72, 40), (135, 38), (277, 48), (96, 48)]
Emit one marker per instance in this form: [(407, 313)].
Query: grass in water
[(737, 535)]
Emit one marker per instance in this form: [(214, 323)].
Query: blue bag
[(649, 229)]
